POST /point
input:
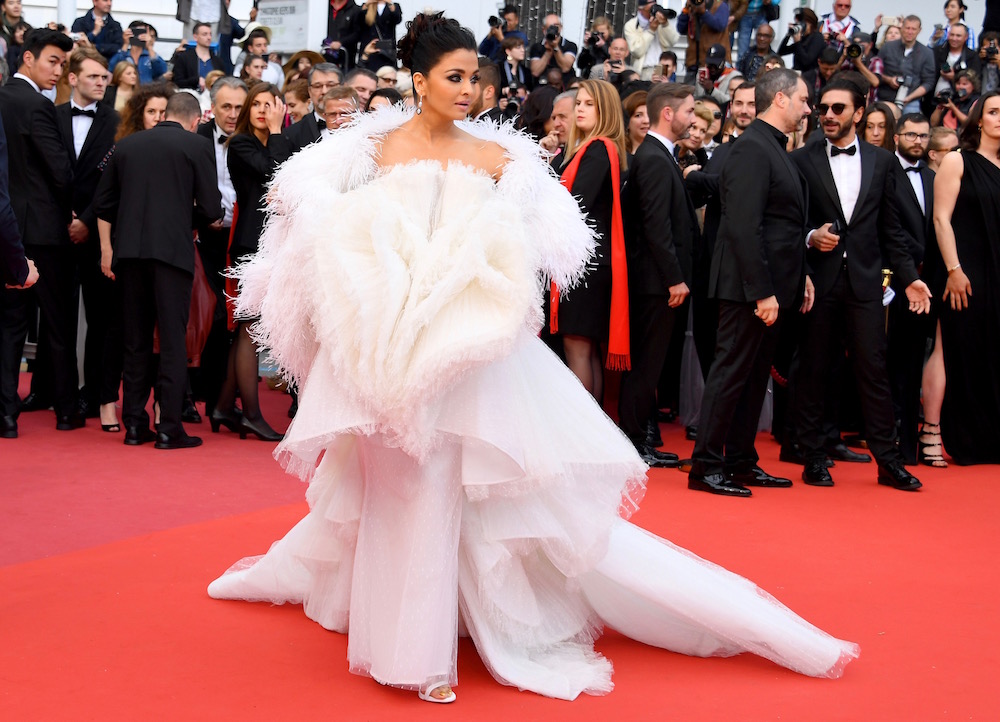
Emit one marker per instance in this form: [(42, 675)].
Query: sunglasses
[(837, 108)]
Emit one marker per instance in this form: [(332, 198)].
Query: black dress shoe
[(33, 402), (653, 437), (68, 422), (896, 476), (667, 417), (816, 474), (88, 410), (230, 420), (758, 477), (691, 433), (657, 459), (840, 452), (180, 441), (138, 435), (792, 454), (8, 427), (190, 413), (717, 484)]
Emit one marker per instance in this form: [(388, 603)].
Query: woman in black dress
[(596, 311), (256, 148), (967, 221)]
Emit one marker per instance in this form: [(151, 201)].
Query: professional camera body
[(991, 50), (495, 22), (667, 12), (551, 33), (854, 51)]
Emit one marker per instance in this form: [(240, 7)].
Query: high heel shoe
[(934, 460), (259, 428), (428, 694), (231, 420)]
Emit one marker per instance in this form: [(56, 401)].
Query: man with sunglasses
[(853, 215)]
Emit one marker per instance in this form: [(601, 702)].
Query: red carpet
[(105, 553)]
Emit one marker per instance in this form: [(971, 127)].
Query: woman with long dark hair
[(967, 223), (878, 126), (805, 45), (256, 148), (465, 472)]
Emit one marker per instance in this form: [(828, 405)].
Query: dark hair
[(362, 72), (808, 17), (326, 69), (537, 110), (183, 106), (428, 37), (972, 78), (917, 118), (829, 56), (391, 94), (970, 134), (132, 116), (668, 55), (195, 27), (254, 34), (143, 24), (510, 42), (962, 7), (298, 88), (489, 75), (662, 95), (243, 119), (247, 62), (508, 9), (890, 123), (746, 86), (779, 80), (847, 85), (35, 41)]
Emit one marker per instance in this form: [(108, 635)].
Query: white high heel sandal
[(428, 694)]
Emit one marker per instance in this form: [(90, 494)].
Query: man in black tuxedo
[(854, 185), (323, 78), (88, 128), (660, 232), (908, 332), (41, 176), (193, 64), (228, 97), (153, 258), (757, 276)]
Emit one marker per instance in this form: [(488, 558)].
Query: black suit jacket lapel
[(64, 118), (867, 173), (927, 177), (100, 121), (822, 163), (797, 180)]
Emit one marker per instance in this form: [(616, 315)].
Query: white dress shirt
[(915, 180), (225, 181), (666, 141), (81, 126), (846, 171)]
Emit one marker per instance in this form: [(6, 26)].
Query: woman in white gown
[(398, 280)]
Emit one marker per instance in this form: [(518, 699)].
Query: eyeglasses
[(324, 86), (910, 136), (837, 108)]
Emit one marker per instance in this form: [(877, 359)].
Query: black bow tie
[(74, 111), (835, 151), (321, 124), (913, 169), (222, 139)]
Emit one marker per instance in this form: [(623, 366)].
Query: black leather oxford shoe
[(758, 477), (716, 484), (896, 476), (815, 473)]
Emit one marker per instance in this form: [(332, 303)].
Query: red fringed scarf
[(618, 332)]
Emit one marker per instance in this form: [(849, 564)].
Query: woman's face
[(964, 87), (991, 118), (297, 109), (697, 134), (716, 124), (154, 112), (257, 68), (303, 66), (893, 33), (12, 9), (638, 125), (259, 108), (377, 102), (952, 10), (130, 76), (516, 53), (875, 128), (447, 90), (586, 114)]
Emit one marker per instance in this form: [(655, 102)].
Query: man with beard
[(757, 276), (753, 60), (660, 231), (853, 214), (907, 332)]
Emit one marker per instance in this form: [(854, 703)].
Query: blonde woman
[(124, 81), (596, 311)]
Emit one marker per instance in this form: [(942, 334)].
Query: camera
[(794, 29), (854, 50), (495, 22), (991, 50), (667, 12), (551, 33), (593, 40), (944, 97)]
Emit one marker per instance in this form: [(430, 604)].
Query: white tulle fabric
[(460, 476)]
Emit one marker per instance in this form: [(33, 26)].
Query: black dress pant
[(102, 354), (735, 390), (907, 347), (57, 293), (651, 323), (837, 311), (155, 295)]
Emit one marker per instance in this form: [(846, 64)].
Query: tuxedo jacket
[(13, 266), (86, 170), (41, 174), (760, 246), (251, 165), (660, 222), (153, 219), (873, 236), (303, 133), (186, 68)]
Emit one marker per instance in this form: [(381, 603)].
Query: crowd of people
[(875, 299)]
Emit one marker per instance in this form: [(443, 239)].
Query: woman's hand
[(106, 256), (958, 289), (275, 113), (370, 47)]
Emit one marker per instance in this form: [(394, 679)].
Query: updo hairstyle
[(428, 37)]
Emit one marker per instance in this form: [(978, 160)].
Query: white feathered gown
[(460, 476)]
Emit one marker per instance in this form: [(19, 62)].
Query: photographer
[(553, 51), (989, 57), (505, 26), (614, 64), (714, 78), (802, 41), (839, 25), (953, 106), (100, 28), (910, 70), (138, 48), (706, 23), (378, 34), (859, 57), (648, 35), (596, 42), (953, 57)]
